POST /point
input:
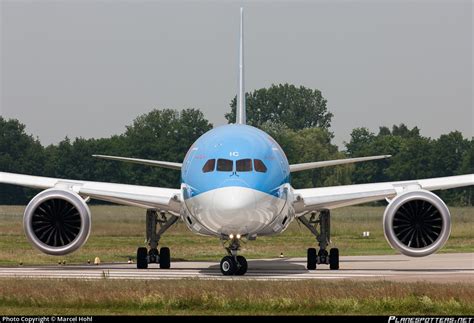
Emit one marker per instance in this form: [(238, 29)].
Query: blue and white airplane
[(236, 185)]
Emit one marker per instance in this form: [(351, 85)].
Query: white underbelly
[(234, 210)]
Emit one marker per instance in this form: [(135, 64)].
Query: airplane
[(235, 185)]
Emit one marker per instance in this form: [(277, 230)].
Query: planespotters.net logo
[(395, 319)]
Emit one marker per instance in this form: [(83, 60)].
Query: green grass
[(117, 231), (63, 297)]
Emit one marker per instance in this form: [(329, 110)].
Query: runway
[(441, 268)]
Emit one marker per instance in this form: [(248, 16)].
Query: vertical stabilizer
[(241, 117)]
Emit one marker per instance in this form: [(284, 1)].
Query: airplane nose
[(236, 208), (233, 201)]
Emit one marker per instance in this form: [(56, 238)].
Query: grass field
[(117, 231), (186, 297)]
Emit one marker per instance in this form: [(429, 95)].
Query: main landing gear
[(147, 256), (323, 237), (233, 264)]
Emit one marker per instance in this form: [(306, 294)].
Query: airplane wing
[(311, 199), (134, 195), (326, 163), (158, 163)]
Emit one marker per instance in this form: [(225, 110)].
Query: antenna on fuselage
[(241, 117)]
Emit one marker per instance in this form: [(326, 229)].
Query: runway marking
[(157, 275), (436, 268), (164, 274)]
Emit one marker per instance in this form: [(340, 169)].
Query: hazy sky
[(88, 68)]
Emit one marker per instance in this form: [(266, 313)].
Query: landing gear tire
[(334, 259), (142, 258), (228, 266), (153, 255), (165, 258), (312, 259), (242, 268)]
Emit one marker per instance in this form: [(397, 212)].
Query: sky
[(89, 68)]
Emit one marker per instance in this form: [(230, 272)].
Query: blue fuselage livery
[(233, 175), (235, 142)]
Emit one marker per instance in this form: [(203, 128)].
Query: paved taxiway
[(436, 268)]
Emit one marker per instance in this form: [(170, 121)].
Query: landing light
[(238, 236), (231, 236)]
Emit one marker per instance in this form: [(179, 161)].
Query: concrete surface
[(442, 268)]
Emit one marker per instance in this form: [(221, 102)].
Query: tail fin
[(241, 117)]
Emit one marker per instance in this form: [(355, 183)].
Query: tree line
[(298, 119)]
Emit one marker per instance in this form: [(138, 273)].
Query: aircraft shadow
[(275, 267)]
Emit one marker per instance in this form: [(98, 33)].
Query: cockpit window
[(224, 165), (260, 166), (244, 165), (209, 166)]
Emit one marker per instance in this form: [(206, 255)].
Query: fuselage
[(235, 180)]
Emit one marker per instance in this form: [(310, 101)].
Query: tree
[(412, 160), (73, 160), (450, 155), (467, 167), (296, 108), (413, 157), (167, 135), (19, 153), (403, 131), (411, 154), (365, 143), (308, 145), (162, 135), (361, 141)]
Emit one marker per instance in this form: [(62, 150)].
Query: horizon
[(343, 148)]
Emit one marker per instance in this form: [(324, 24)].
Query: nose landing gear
[(233, 264)]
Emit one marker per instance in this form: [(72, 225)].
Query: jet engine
[(417, 223), (57, 221)]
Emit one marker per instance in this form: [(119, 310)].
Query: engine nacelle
[(57, 221), (417, 223)]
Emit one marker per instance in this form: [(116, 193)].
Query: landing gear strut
[(323, 236), (162, 257), (232, 264)]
